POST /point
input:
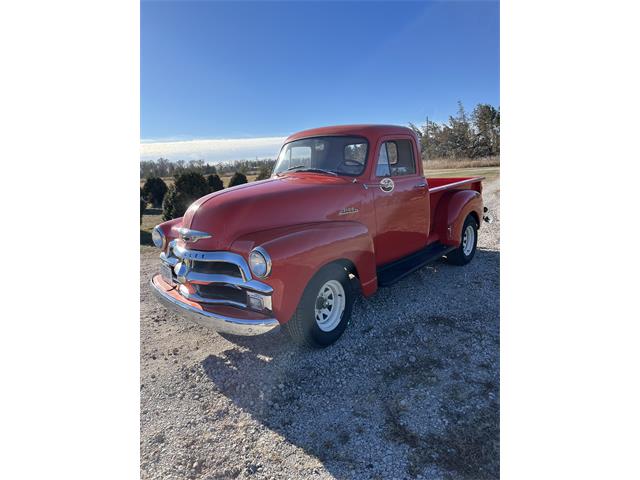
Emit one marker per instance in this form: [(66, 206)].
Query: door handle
[(420, 185)]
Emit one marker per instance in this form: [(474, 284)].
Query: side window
[(405, 163), (395, 159)]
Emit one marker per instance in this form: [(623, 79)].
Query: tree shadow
[(145, 238), (411, 388)]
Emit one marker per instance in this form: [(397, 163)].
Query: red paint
[(296, 218)]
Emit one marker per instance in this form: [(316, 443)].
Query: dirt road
[(411, 390)]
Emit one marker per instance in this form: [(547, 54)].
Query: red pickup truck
[(346, 210)]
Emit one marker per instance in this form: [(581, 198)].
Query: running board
[(392, 272)]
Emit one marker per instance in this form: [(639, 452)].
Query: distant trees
[(214, 183), (187, 188), (237, 179), (167, 168), (154, 190), (462, 136), (246, 166), (265, 172), (486, 121)]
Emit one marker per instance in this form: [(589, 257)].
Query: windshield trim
[(337, 135)]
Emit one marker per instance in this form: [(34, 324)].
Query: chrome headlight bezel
[(259, 256), (159, 238)]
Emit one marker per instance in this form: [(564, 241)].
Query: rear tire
[(324, 310), (468, 243)]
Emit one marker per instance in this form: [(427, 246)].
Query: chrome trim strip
[(208, 278), (169, 259), (226, 257), (194, 297), (455, 184), (218, 322)]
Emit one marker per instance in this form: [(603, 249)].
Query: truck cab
[(346, 211)]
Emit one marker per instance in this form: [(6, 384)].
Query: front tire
[(468, 243), (324, 310)]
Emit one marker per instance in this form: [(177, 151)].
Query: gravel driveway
[(411, 390)]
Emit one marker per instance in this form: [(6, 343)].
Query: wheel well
[(474, 214), (349, 266)]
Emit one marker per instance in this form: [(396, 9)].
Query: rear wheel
[(467, 249), (324, 310)]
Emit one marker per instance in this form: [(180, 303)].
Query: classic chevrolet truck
[(347, 210)]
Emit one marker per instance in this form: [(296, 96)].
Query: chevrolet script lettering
[(347, 211)]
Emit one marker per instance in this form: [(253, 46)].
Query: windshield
[(336, 155)]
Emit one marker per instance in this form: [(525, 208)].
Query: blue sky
[(225, 80)]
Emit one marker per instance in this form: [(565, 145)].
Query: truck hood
[(277, 202)]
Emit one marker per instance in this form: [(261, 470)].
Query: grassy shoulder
[(488, 172), (151, 218)]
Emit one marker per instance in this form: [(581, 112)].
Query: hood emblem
[(347, 211), (192, 236)]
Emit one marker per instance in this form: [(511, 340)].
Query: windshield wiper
[(304, 168)]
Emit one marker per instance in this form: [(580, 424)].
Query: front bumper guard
[(215, 321)]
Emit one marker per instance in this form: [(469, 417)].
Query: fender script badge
[(347, 211)]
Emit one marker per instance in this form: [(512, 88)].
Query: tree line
[(187, 188), (464, 136), (167, 168)]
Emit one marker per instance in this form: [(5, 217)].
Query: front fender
[(298, 252), (452, 211)]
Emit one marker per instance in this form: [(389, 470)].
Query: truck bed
[(461, 183), (440, 187)]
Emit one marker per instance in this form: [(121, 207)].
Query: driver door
[(401, 201)]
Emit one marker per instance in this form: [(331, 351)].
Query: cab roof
[(369, 131)]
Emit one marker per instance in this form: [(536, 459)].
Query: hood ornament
[(192, 236)]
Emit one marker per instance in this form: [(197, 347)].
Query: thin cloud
[(214, 150)]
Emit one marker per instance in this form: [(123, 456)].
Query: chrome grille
[(214, 277), (220, 268)]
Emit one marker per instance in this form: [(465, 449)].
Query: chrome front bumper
[(207, 318)]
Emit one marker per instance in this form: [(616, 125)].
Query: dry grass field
[(447, 163)]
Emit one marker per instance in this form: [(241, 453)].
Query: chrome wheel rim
[(329, 306), (468, 240)]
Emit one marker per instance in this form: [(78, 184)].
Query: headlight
[(158, 238), (260, 262)]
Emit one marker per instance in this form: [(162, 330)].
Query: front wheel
[(467, 249), (324, 310)]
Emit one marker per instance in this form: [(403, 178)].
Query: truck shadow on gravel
[(411, 390)]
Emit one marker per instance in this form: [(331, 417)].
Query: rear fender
[(298, 252), (453, 208)]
